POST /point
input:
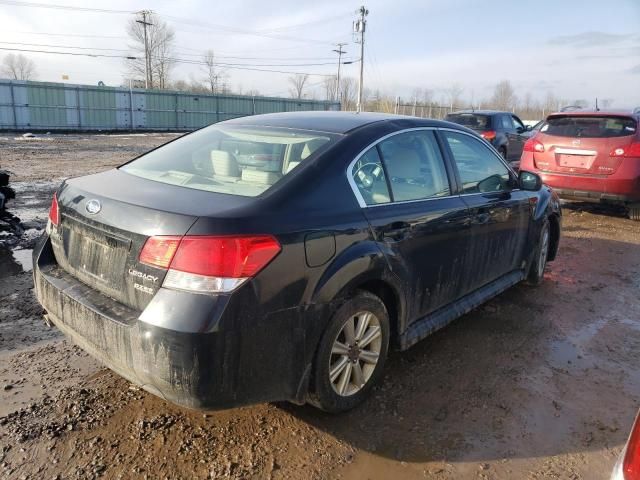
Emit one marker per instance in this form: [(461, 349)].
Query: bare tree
[(454, 93), (348, 93), (160, 41), (605, 102), (214, 76), (18, 67), (504, 97), (329, 84), (298, 82)]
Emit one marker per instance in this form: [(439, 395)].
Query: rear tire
[(634, 212), (536, 271), (351, 355)]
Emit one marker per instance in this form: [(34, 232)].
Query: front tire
[(536, 272), (634, 212), (351, 355)]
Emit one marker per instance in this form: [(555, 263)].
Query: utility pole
[(147, 57), (340, 52), (359, 26)]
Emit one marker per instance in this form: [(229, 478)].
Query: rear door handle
[(396, 231)]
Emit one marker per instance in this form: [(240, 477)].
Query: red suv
[(591, 156)]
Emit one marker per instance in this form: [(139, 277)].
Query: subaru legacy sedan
[(279, 257)]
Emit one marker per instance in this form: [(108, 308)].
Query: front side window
[(517, 123), (235, 160), (507, 124), (368, 175), (414, 166), (481, 171)]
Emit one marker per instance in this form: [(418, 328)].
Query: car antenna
[(597, 109)]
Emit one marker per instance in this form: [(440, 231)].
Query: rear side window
[(592, 126), (471, 120), (236, 160), (481, 171), (414, 166)]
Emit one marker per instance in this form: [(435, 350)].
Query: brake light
[(488, 135), (533, 145), (209, 264), (54, 211), (632, 150), (631, 462)]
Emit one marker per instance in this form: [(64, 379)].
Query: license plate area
[(95, 256), (575, 161)]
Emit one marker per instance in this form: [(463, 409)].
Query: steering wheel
[(367, 174)]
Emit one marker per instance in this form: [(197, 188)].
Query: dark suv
[(504, 130)]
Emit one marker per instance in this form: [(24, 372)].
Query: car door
[(519, 136), (422, 228), (499, 212)]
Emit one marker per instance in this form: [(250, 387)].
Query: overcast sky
[(574, 49)]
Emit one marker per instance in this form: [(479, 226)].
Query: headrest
[(311, 146), (260, 176), (224, 163), (403, 163)]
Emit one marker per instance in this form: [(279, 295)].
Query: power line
[(177, 60), (63, 7)]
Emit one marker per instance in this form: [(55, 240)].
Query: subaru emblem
[(93, 206)]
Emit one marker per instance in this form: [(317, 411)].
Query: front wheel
[(536, 272), (634, 212), (351, 355)]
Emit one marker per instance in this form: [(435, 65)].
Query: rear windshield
[(236, 160), (471, 120), (604, 126)]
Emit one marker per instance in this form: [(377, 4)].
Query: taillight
[(159, 251), (631, 462), (533, 145), (488, 135), (632, 150), (209, 264), (54, 211)]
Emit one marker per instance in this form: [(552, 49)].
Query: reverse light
[(632, 150), (488, 135), (533, 145), (209, 264), (631, 461), (54, 211)]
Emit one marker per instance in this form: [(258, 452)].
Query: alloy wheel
[(544, 251), (355, 353)]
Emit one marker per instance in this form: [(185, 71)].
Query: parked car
[(214, 285), (504, 130), (589, 155), (628, 465)]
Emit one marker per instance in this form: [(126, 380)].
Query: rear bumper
[(242, 361), (591, 188)]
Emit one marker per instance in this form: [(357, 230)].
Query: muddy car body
[(340, 238)]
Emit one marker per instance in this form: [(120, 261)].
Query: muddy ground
[(538, 383)]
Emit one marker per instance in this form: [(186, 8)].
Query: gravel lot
[(538, 383)]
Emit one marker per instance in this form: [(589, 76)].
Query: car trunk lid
[(105, 220)]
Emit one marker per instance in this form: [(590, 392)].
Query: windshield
[(590, 126), (236, 160), (471, 120)]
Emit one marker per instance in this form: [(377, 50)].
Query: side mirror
[(529, 181), (521, 130)]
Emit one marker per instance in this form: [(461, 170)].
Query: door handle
[(396, 231)]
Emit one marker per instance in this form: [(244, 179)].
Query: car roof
[(481, 112), (331, 121)]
